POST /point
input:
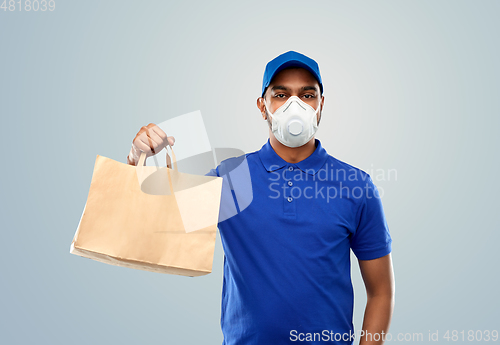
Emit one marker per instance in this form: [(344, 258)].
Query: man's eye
[(308, 96), (279, 95)]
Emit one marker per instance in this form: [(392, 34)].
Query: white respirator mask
[(294, 123)]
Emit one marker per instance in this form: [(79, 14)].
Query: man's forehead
[(296, 78), (291, 74), (288, 87)]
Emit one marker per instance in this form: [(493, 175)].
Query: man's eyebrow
[(279, 87), (305, 88)]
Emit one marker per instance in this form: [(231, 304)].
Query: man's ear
[(262, 107)]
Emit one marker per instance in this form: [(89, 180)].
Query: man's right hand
[(150, 139)]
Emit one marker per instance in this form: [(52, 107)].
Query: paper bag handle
[(142, 158)]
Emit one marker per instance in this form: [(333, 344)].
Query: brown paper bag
[(149, 229)]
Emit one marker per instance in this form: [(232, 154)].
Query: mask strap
[(267, 109)]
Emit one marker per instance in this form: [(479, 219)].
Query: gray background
[(409, 85)]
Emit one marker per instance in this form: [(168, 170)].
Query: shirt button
[(290, 183), (290, 168), (289, 199)]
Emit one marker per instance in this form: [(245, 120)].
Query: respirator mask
[(294, 123)]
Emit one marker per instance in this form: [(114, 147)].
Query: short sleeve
[(372, 238), (213, 172)]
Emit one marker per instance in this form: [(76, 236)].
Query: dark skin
[(378, 277), (377, 274)]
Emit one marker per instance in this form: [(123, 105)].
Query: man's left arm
[(378, 277)]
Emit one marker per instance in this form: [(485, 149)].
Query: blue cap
[(290, 59)]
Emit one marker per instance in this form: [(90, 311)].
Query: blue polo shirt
[(287, 230)]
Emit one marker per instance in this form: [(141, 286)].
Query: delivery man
[(287, 254)]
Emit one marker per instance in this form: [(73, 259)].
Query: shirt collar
[(310, 165)]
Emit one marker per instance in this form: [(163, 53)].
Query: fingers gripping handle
[(156, 180), (142, 159)]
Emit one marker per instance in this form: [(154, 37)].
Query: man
[(287, 254)]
